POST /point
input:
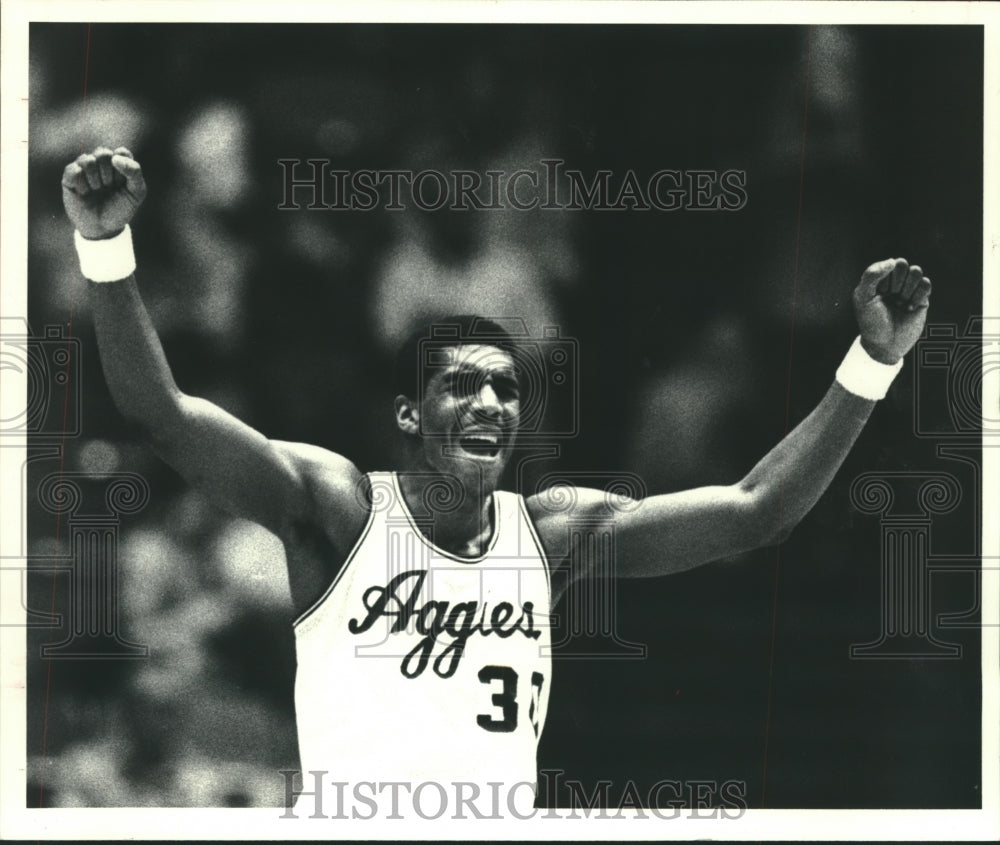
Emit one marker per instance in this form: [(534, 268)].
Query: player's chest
[(431, 617)]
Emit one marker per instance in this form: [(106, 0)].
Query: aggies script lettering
[(434, 619)]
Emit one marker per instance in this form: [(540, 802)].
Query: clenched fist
[(102, 191), (891, 303)]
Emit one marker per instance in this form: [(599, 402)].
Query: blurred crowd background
[(702, 336)]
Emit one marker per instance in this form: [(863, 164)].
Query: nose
[(489, 404)]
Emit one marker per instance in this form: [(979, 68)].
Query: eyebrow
[(464, 368), (506, 375)]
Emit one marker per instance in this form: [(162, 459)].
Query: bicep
[(236, 466), (656, 535), (674, 532)]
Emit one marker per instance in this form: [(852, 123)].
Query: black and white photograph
[(508, 421)]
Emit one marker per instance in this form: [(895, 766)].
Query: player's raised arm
[(674, 532), (235, 465)]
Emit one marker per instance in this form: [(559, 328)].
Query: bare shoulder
[(315, 459), (336, 488), (552, 509), (319, 536)]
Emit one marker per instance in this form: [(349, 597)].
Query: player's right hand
[(102, 191)]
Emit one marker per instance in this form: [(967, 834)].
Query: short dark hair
[(411, 374)]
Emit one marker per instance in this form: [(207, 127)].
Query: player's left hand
[(891, 303)]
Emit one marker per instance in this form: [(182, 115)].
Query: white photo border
[(21, 823)]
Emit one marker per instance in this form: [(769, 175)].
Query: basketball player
[(421, 598)]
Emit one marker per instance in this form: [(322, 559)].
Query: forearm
[(676, 531), (236, 466), (135, 367), (790, 479)]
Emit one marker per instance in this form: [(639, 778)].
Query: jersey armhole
[(523, 508), (306, 614)]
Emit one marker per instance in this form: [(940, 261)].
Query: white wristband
[(108, 260), (863, 376)]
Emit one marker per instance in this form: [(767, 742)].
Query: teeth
[(481, 443), (492, 439)]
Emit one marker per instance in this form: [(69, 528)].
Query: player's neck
[(455, 514)]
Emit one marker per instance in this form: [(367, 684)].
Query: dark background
[(702, 337)]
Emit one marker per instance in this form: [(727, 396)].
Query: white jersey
[(417, 665)]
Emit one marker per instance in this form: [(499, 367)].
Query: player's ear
[(407, 415)]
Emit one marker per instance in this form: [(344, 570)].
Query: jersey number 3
[(506, 699)]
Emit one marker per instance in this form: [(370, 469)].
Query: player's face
[(469, 410)]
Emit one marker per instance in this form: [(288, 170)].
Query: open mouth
[(480, 444)]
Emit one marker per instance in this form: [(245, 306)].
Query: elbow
[(777, 536), (152, 423), (145, 429), (774, 527), (765, 523)]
